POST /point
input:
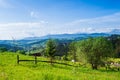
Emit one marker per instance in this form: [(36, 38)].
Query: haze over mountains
[(37, 41), (75, 35)]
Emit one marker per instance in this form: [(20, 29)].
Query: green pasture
[(10, 70)]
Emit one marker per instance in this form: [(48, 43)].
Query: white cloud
[(98, 24), (22, 29), (30, 29), (98, 20)]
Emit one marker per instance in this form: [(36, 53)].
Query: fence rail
[(18, 60), (36, 61)]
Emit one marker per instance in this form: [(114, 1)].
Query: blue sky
[(30, 18)]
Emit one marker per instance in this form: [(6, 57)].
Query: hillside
[(10, 70), (68, 36), (36, 43), (40, 41)]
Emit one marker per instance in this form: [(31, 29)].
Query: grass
[(10, 70)]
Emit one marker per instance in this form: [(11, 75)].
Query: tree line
[(94, 51)]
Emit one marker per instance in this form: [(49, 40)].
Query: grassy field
[(10, 70)]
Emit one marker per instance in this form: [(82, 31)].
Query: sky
[(35, 18)]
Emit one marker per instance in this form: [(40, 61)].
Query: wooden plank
[(35, 59), (26, 60), (17, 59)]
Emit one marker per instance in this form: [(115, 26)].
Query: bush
[(3, 49), (21, 51)]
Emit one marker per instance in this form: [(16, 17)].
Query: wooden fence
[(18, 60), (36, 61)]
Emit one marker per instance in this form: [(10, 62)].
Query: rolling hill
[(30, 42)]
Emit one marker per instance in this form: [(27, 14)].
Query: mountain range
[(40, 41)]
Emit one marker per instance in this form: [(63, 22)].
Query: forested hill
[(31, 42), (68, 36)]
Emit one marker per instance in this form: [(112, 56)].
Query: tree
[(51, 49), (115, 40), (21, 51), (3, 49), (72, 50), (96, 50)]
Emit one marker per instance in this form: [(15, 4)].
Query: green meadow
[(10, 70)]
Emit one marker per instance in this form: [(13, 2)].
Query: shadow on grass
[(108, 70), (61, 65)]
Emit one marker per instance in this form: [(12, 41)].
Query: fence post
[(35, 59), (17, 59)]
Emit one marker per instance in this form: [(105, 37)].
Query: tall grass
[(10, 70)]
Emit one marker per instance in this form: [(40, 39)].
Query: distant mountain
[(39, 42), (115, 31), (68, 36)]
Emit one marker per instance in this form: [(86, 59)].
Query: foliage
[(21, 51), (115, 40), (95, 50), (3, 49), (51, 49), (61, 49), (72, 51)]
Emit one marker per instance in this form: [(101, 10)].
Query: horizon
[(49, 35), (33, 18)]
